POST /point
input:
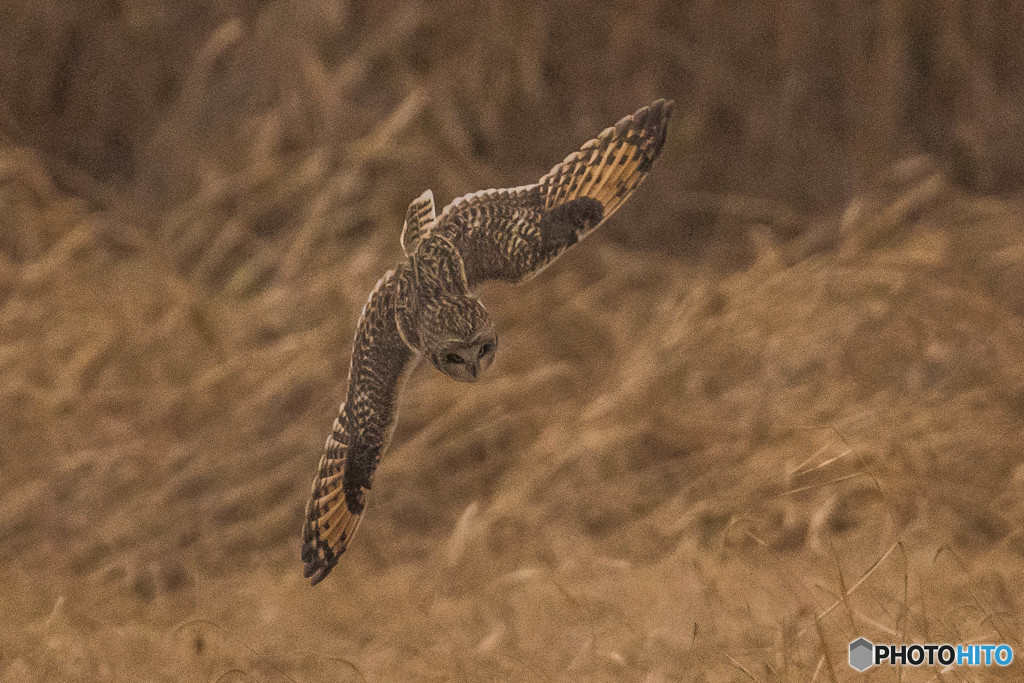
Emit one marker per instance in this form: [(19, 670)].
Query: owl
[(425, 307)]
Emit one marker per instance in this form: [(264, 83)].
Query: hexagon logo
[(862, 653)]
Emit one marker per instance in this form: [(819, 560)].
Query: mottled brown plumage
[(425, 307)]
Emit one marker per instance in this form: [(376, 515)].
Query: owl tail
[(330, 523)]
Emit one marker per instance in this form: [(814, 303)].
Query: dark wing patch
[(510, 234), (561, 226)]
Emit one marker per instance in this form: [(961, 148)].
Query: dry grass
[(750, 421)]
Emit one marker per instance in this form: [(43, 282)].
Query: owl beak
[(474, 369)]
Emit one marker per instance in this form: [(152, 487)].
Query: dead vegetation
[(774, 407)]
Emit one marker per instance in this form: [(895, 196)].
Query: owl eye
[(454, 358), (484, 350)]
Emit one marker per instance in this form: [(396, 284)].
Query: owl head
[(457, 336)]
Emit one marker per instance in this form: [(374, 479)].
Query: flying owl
[(425, 307)]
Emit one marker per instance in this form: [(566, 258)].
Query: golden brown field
[(777, 403)]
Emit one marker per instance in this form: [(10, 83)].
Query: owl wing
[(330, 520), (418, 217), (511, 234), (381, 359)]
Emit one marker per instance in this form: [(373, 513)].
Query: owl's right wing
[(511, 234), (381, 359)]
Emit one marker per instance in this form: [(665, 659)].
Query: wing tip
[(318, 560), (662, 108), (661, 113), (648, 118), (317, 574), (324, 541), (658, 114), (317, 556), (656, 127)]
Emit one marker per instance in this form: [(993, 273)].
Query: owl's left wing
[(511, 234)]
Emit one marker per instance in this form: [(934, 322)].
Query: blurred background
[(774, 405)]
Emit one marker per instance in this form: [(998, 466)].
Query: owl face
[(465, 360), (458, 335)]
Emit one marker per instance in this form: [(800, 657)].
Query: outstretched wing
[(510, 234), (380, 361)]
